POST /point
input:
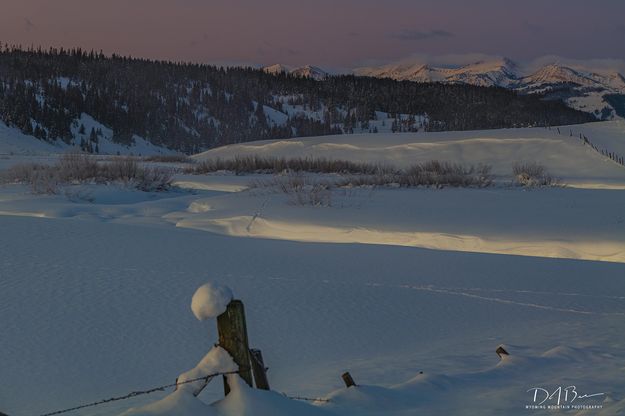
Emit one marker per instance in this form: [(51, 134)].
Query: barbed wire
[(308, 399), (162, 388), (140, 393)]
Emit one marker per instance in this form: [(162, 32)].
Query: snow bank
[(216, 361), (423, 394), (245, 401), (179, 403), (565, 157), (424, 294), (210, 301), (501, 389), (241, 401), (125, 247), (552, 223)]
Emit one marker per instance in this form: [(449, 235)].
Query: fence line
[(139, 393), (162, 388), (616, 158)]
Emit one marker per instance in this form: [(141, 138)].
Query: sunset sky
[(329, 33)]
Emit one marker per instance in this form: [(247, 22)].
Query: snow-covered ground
[(96, 285), (565, 157), (15, 143)]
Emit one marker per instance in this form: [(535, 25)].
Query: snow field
[(95, 285)]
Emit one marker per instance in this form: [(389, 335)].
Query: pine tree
[(93, 136)]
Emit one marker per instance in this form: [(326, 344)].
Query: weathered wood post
[(260, 372), (348, 380), (232, 331), (501, 351)]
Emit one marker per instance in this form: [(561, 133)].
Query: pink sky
[(338, 34)]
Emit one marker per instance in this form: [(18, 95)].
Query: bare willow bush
[(301, 189), (442, 174), (429, 174), (153, 180), (310, 190), (77, 168), (169, 159), (433, 173), (21, 172), (375, 180), (258, 164), (532, 174), (123, 169)]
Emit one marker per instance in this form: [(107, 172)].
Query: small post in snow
[(233, 338), (501, 351), (260, 371), (347, 379)]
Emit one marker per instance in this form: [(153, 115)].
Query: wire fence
[(139, 393), (615, 157), (133, 394)]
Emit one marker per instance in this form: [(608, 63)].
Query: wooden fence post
[(348, 380), (260, 372), (232, 331), (501, 351)]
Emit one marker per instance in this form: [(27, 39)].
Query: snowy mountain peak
[(497, 72), (307, 71), (557, 74), (276, 69), (583, 85), (310, 71), (501, 72)]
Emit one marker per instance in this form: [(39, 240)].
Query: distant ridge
[(307, 71), (101, 104), (581, 89)]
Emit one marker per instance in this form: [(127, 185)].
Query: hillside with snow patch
[(14, 141)]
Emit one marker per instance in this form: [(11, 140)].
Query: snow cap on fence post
[(210, 300)]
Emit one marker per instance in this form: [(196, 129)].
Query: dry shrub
[(42, 178), (369, 181), (123, 169), (429, 174), (77, 168), (21, 172), (305, 190), (532, 174), (442, 174), (433, 173), (301, 189), (258, 164), (169, 159), (153, 180)]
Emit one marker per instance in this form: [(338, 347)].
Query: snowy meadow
[(409, 286)]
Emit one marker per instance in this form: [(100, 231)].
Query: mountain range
[(595, 91), (98, 103), (599, 92)]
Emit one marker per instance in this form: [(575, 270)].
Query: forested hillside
[(192, 107)]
